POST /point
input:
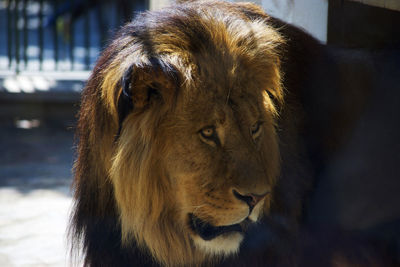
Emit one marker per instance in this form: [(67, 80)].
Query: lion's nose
[(250, 199)]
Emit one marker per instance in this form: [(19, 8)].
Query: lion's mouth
[(207, 231)]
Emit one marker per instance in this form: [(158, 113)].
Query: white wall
[(311, 15), (158, 4)]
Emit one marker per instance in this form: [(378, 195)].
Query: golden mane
[(122, 183)]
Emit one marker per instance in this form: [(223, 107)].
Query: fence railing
[(58, 35)]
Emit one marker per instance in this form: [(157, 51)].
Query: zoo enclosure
[(57, 36)]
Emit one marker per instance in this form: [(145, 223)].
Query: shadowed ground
[(35, 178)]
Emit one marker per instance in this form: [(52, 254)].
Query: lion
[(186, 129)]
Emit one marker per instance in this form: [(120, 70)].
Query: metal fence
[(58, 35)]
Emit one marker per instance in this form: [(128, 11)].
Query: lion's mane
[(123, 200)]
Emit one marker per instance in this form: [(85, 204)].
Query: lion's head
[(186, 133)]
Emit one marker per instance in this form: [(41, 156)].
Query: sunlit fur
[(223, 69), (223, 245)]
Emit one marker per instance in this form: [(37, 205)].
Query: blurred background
[(47, 49)]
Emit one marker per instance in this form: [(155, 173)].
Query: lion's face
[(197, 157), (222, 162)]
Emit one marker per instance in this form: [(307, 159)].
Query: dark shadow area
[(357, 189)]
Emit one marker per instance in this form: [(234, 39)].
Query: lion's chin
[(222, 245), (217, 240)]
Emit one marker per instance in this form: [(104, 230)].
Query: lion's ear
[(275, 90), (144, 86), (125, 101), (276, 96)]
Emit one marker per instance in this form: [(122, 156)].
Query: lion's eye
[(209, 136), (255, 129), (208, 132)]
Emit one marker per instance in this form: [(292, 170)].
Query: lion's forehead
[(221, 110)]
